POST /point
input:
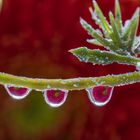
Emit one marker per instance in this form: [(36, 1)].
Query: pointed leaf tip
[(117, 4), (131, 30), (76, 50), (94, 42), (83, 23), (82, 20), (104, 23), (94, 2), (71, 51), (137, 13), (118, 17)]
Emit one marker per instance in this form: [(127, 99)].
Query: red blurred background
[(35, 36)]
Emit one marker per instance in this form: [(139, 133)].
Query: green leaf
[(97, 21), (118, 17), (131, 29), (115, 33), (94, 42), (104, 24), (136, 45), (91, 31), (102, 57), (107, 43)]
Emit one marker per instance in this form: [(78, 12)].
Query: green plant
[(122, 46)]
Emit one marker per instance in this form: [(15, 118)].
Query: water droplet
[(100, 95), (138, 66), (55, 98), (17, 92)]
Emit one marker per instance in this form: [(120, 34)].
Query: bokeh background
[(35, 36)]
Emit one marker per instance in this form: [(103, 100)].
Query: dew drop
[(100, 95), (138, 66), (17, 92), (55, 98)]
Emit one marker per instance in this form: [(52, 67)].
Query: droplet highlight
[(17, 92), (138, 66), (55, 98), (100, 95)]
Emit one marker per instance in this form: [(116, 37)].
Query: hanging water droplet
[(100, 95), (55, 98), (138, 66), (17, 92)]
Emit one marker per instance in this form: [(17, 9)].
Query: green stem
[(70, 84)]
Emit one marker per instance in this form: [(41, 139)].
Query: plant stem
[(69, 84)]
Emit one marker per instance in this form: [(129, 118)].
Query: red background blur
[(35, 36)]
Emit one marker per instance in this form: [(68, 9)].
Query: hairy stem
[(69, 84)]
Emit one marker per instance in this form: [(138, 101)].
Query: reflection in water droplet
[(55, 98), (100, 95), (17, 92)]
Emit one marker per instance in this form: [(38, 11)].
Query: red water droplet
[(55, 98), (17, 92), (100, 95)]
